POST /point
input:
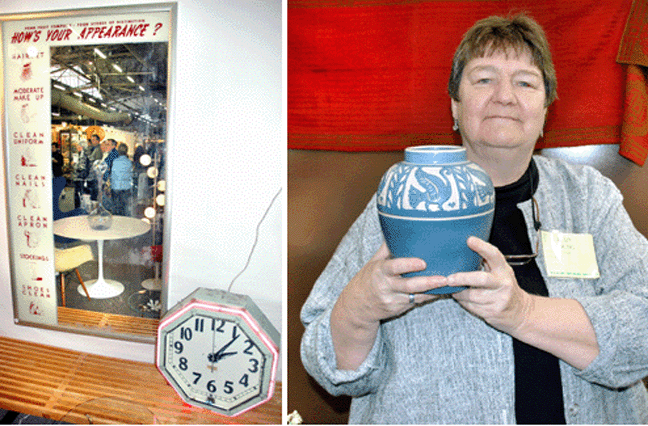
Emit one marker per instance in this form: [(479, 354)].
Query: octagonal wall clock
[(219, 351)]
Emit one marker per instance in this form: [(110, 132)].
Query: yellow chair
[(69, 259)]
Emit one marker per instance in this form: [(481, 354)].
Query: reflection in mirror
[(108, 161)]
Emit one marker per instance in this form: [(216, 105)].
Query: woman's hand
[(376, 292), (492, 294), (379, 291), (558, 326)]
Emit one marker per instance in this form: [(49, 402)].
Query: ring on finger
[(411, 298)]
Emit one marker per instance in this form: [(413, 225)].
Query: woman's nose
[(504, 92)]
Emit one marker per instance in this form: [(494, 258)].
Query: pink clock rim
[(251, 321)]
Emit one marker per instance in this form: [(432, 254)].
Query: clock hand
[(209, 357), (214, 357), (224, 354), (218, 356), (227, 345)]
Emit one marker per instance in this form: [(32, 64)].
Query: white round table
[(77, 227)]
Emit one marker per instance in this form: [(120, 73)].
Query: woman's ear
[(454, 107), (544, 122)]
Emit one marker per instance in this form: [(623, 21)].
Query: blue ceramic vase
[(428, 206)]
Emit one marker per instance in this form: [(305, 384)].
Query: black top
[(57, 164), (538, 390)]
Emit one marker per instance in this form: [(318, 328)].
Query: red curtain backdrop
[(371, 75), (633, 51)]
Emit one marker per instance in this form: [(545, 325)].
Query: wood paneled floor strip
[(77, 387), (120, 324)]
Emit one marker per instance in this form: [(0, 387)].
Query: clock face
[(215, 361), (217, 358)]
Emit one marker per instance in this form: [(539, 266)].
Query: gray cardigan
[(439, 364)]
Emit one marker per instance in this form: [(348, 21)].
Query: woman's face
[(501, 102)]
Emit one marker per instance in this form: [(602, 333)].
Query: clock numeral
[(178, 347), (220, 328), (186, 333), (227, 388), (244, 380), (234, 334), (250, 346), (255, 366), (183, 364), (211, 387), (200, 324), (198, 376)]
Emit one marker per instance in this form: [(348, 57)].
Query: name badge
[(569, 255)]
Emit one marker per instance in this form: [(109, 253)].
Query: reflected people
[(121, 180), (94, 154), (57, 161), (80, 172), (109, 153), (518, 345)]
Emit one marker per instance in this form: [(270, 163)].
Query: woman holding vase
[(518, 345)]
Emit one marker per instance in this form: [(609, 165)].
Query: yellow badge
[(569, 255)]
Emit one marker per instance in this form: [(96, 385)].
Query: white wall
[(228, 155)]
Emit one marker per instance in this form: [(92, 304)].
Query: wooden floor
[(77, 387)]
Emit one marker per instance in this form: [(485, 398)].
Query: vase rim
[(435, 154), (446, 148)]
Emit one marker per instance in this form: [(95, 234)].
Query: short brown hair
[(122, 149), (497, 33)]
